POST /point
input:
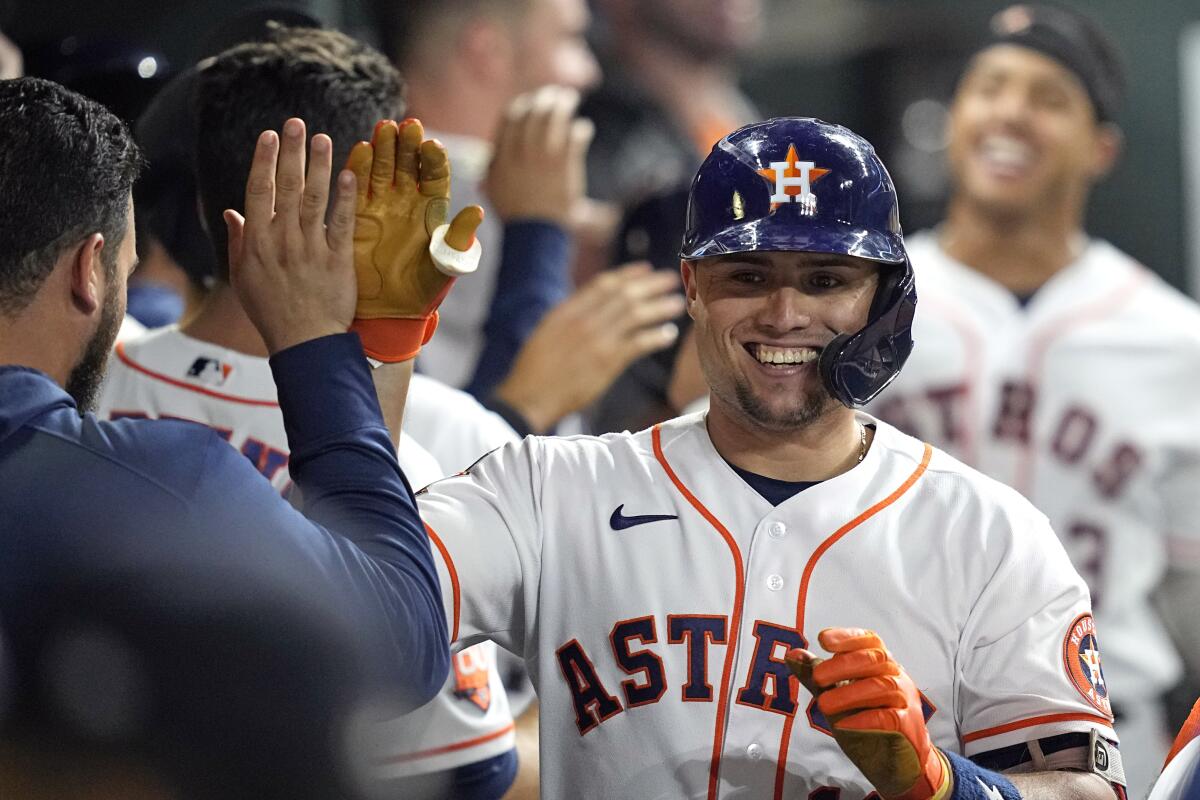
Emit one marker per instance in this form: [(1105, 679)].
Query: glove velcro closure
[(391, 340)]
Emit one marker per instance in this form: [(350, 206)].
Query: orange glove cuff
[(392, 340)]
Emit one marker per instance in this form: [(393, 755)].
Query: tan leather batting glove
[(405, 255)]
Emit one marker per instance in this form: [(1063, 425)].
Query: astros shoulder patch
[(1081, 659)]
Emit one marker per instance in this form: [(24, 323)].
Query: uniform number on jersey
[(1088, 547)]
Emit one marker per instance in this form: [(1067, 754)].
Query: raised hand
[(617, 318), (405, 256), (538, 167), (293, 273)]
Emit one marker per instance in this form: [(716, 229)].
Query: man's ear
[(88, 274), (691, 292), (487, 48), (1110, 141)]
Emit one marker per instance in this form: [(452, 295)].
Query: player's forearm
[(534, 277), (391, 387), (1062, 785), (344, 463)]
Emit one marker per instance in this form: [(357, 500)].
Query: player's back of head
[(67, 165), (337, 85)]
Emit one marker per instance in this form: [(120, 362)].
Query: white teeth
[(784, 355), (1005, 151)]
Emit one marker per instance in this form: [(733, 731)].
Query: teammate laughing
[(1055, 363)]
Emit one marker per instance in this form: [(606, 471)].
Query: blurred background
[(884, 68)]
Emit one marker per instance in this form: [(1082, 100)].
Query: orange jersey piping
[(735, 624), (454, 588), (158, 376), (802, 599)]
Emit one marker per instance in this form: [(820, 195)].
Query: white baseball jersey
[(451, 424), (452, 354), (1085, 402), (654, 593), (165, 373), (1180, 779), (130, 329)]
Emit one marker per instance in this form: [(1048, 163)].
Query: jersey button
[(777, 530), (775, 582), (754, 751)]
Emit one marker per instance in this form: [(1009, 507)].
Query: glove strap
[(392, 340), (936, 781)]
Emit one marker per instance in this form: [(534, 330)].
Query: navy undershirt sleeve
[(534, 276), (360, 532)]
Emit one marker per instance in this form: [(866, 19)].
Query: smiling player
[(1057, 364), (655, 581)]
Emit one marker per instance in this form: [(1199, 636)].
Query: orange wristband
[(392, 340)]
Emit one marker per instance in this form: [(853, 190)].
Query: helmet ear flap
[(828, 362), (856, 368), (885, 291)]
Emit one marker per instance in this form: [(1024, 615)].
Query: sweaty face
[(84, 381), (551, 48), (762, 320), (1023, 132)]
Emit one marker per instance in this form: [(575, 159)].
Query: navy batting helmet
[(802, 185)]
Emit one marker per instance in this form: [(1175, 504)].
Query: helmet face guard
[(802, 185)]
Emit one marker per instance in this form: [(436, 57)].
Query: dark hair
[(1074, 40), (67, 165), (337, 85)]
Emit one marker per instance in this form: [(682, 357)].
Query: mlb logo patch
[(1081, 658), (209, 371)]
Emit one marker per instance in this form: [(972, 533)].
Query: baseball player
[(656, 582), (168, 374), (1056, 363), (462, 742)]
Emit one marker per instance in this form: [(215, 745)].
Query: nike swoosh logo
[(620, 522)]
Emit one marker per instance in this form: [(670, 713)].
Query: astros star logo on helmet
[(793, 180)]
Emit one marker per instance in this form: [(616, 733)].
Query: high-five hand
[(293, 273), (405, 256)]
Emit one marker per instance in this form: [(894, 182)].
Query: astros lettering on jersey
[(1078, 402), (653, 594)]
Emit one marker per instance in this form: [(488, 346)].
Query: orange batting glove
[(405, 255), (876, 715)]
